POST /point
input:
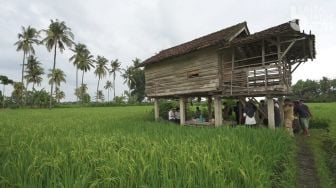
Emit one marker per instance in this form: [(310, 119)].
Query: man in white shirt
[(171, 115)]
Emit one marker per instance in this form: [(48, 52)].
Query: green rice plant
[(123, 147)]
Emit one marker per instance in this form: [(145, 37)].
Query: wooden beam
[(156, 109), (182, 111), (287, 49), (282, 117), (296, 66), (218, 111), (270, 111)]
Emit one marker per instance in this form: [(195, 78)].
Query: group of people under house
[(296, 115)]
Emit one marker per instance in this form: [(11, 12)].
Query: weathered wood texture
[(270, 111), (218, 111), (156, 109), (193, 73), (182, 110)]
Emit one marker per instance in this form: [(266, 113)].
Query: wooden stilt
[(218, 111), (182, 110), (270, 110), (210, 107), (156, 109)]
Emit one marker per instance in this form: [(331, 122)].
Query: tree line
[(57, 38), (323, 90)]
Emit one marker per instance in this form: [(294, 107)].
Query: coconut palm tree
[(34, 72), (128, 77), (56, 76), (4, 81), (27, 39), (100, 96), (108, 86), (18, 92), (115, 67), (79, 51), (58, 35), (85, 65), (101, 70), (59, 95)]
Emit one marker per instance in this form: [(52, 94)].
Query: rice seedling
[(123, 147)]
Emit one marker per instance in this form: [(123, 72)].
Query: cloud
[(131, 28)]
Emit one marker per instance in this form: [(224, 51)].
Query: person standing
[(296, 122), (288, 109), (249, 114), (304, 116), (277, 115), (171, 115)]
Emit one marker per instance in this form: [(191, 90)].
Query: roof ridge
[(204, 36)]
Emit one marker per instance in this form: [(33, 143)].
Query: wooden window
[(193, 74)]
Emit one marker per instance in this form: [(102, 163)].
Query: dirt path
[(306, 165)]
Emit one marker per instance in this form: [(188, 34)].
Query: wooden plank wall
[(252, 78), (193, 73)]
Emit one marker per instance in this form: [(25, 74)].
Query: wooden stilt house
[(230, 63)]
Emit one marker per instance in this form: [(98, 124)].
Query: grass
[(123, 147), (323, 142)]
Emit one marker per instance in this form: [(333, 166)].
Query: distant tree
[(34, 72), (58, 35), (128, 77), (56, 77), (100, 96), (4, 81), (82, 94), (27, 39), (323, 90), (85, 65), (120, 99), (101, 70), (138, 84), (59, 95), (325, 86), (108, 86), (115, 68), (79, 52), (18, 92)]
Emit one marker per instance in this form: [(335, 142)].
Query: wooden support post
[(210, 107), (270, 110), (218, 111), (241, 110), (182, 110), (156, 109), (282, 117)]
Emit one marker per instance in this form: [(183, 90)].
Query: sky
[(125, 29)]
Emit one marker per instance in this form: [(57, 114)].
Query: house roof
[(226, 37), (284, 28), (212, 39)]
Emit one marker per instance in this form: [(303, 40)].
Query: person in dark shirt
[(304, 116), (296, 121), (277, 115)]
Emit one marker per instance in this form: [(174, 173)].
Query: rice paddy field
[(323, 142), (124, 147)]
